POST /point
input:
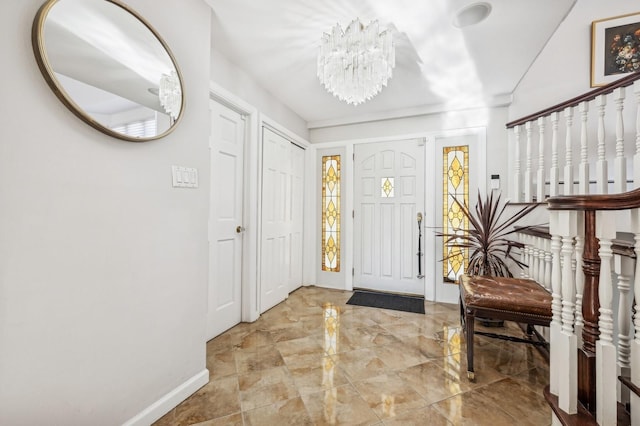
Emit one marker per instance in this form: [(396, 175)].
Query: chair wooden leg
[(469, 324)]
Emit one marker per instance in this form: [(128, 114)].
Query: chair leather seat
[(509, 294)]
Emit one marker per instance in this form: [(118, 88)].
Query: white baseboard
[(167, 402)]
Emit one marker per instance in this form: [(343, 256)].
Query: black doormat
[(387, 301)]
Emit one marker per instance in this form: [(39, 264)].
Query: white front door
[(225, 219), (282, 195), (389, 193)]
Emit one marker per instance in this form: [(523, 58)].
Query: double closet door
[(282, 218)]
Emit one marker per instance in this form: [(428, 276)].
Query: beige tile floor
[(314, 360)]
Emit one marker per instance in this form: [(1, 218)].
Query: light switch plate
[(184, 177)]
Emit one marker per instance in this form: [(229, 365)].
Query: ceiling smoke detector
[(471, 15)]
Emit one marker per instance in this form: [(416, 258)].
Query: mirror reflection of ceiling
[(109, 63)]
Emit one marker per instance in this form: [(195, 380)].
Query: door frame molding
[(432, 273), (353, 195), (348, 169), (250, 213)]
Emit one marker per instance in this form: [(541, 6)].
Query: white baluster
[(568, 159), (528, 175), (636, 157), (517, 190), (540, 278), (620, 183), (606, 367), (635, 345), (579, 248), (523, 255), (554, 172), (623, 267), (529, 269), (602, 176), (541, 179), (533, 269), (564, 224), (547, 262), (583, 171)]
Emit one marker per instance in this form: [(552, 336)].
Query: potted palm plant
[(489, 239)]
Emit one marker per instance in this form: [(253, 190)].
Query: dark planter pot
[(490, 322)]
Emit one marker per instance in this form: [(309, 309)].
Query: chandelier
[(170, 94), (355, 64)]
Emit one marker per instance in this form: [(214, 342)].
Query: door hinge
[(354, 156), (353, 272), (353, 214)]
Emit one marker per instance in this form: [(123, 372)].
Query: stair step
[(626, 380), (583, 417)]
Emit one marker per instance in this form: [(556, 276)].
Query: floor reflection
[(315, 360), (331, 332)]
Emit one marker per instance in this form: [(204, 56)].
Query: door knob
[(239, 229)]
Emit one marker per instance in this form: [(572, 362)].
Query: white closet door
[(282, 184), (225, 216), (389, 193)]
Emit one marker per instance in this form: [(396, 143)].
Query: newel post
[(556, 303), (606, 362), (579, 325), (635, 343), (590, 313)]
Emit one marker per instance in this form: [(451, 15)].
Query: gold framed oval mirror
[(109, 67)]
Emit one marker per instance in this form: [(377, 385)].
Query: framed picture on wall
[(615, 48)]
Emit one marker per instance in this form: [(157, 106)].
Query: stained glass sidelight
[(331, 213), (455, 187)]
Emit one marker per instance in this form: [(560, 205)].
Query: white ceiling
[(437, 65)]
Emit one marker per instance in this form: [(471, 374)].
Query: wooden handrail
[(623, 82), (622, 201)]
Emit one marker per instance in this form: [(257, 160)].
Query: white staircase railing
[(593, 276), (578, 165)]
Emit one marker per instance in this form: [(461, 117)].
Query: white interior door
[(225, 216), (388, 194), (282, 194)]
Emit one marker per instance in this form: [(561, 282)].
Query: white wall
[(493, 119), (237, 81), (561, 72), (103, 265), (563, 69)]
